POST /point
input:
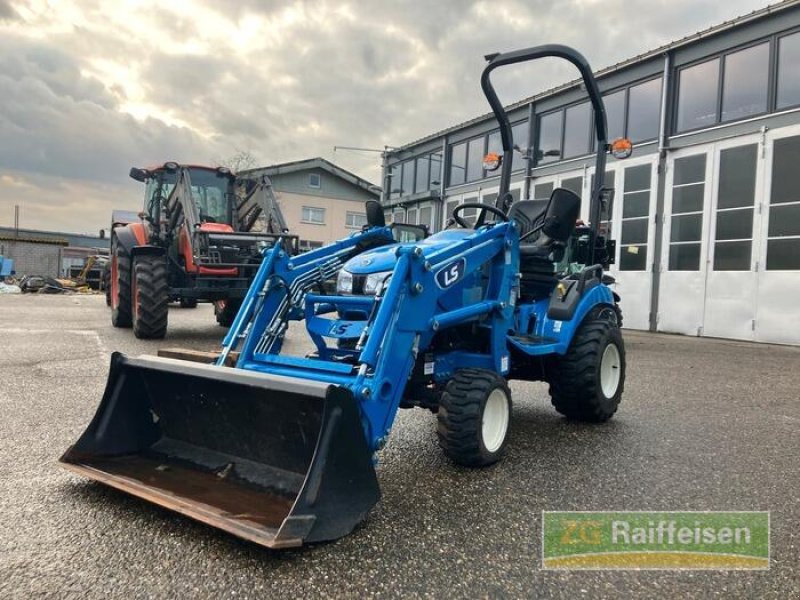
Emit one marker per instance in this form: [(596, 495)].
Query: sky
[(91, 88)]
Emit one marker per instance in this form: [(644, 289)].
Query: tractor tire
[(586, 383), (107, 283), (225, 311), (474, 416), (188, 302), (120, 288), (150, 297)]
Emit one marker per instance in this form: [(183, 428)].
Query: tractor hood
[(383, 258)]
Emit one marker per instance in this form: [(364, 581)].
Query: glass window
[(632, 258), (687, 216), (745, 82), (615, 114), (475, 158), (783, 254), (408, 178), (789, 71), (634, 231), (426, 216), (635, 218), (549, 137), (313, 215), (314, 180), (737, 184), (684, 257), (357, 220), (735, 205), (637, 178), (687, 198), (690, 169), (398, 217), (542, 191), (785, 171), (519, 133), (637, 204), (573, 184), (395, 182), (686, 228), (422, 179), (576, 130), (644, 110), (732, 256), (435, 170), (784, 220), (411, 216), (697, 95), (458, 164), (450, 207), (735, 224)]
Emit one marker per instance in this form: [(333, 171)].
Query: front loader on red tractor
[(194, 242)]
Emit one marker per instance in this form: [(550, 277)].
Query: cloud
[(91, 88)]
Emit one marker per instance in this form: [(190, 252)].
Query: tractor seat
[(548, 226)]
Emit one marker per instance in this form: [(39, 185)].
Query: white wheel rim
[(610, 370), (495, 420)]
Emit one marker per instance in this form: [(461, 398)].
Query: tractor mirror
[(621, 148), (138, 174), (375, 216), (492, 161)]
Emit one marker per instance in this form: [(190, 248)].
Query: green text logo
[(657, 540)]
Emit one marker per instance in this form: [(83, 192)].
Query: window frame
[(311, 221), (319, 181), (350, 213), (772, 82)]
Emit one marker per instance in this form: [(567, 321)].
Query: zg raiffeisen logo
[(655, 540)]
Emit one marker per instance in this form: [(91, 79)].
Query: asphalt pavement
[(704, 425)]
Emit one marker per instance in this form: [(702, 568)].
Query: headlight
[(344, 282), (374, 280)]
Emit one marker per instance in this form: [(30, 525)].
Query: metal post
[(661, 171)]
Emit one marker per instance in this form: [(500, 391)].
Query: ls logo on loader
[(451, 274)]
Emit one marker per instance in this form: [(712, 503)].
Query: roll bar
[(576, 58)]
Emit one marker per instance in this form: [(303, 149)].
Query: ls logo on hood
[(451, 274)]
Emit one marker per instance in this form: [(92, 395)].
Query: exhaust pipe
[(275, 460)]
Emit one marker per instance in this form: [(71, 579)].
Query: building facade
[(34, 255), (707, 210), (320, 201)]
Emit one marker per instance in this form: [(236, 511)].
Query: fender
[(130, 236)]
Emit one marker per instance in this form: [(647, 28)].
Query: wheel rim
[(495, 420), (610, 370)]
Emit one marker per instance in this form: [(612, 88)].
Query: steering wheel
[(482, 208)]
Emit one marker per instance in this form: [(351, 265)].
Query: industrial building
[(50, 253), (707, 210), (321, 202)]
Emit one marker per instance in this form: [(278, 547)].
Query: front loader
[(280, 450), (194, 242)]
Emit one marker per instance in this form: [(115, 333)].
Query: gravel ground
[(704, 425)]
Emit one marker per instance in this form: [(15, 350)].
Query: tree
[(242, 160)]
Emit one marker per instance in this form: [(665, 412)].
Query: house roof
[(316, 163), (684, 41), (35, 240)]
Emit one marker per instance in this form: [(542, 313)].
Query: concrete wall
[(336, 210), (33, 258)]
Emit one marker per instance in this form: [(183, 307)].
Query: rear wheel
[(473, 418), (225, 311), (150, 297), (586, 383), (188, 302), (120, 284)]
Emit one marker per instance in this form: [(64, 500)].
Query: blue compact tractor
[(281, 449)]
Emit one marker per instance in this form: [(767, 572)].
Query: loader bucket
[(274, 460)]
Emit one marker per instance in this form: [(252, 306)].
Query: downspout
[(661, 179), (529, 152)]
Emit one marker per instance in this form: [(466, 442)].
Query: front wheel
[(120, 285), (225, 311), (150, 297), (586, 383), (473, 418)]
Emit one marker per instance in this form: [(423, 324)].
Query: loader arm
[(260, 201)]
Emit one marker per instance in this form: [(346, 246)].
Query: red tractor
[(194, 242)]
